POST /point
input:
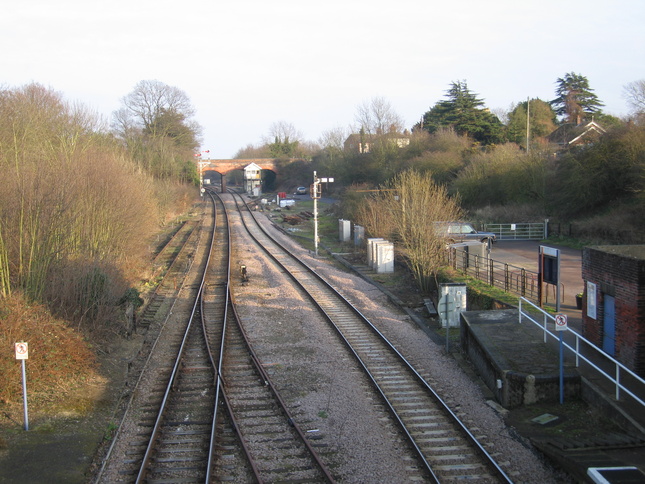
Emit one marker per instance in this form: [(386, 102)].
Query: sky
[(248, 64)]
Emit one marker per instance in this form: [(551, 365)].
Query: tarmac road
[(524, 253)]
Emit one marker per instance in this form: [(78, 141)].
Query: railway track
[(181, 431), (445, 447), (171, 263), (143, 396), (275, 448)]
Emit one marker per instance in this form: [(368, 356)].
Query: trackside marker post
[(22, 353)]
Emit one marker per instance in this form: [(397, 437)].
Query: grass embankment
[(480, 294), (60, 359)]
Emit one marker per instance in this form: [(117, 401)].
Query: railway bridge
[(225, 167)]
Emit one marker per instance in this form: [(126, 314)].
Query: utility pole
[(528, 113)]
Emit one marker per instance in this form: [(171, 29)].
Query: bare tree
[(406, 210), (283, 132), (377, 117), (150, 100), (333, 139), (634, 93), (155, 124), (252, 151), (284, 140), (67, 194)]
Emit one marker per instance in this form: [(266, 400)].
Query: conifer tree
[(464, 112), (575, 100)]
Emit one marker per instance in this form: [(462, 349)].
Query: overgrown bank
[(78, 214)]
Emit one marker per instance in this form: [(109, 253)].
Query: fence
[(507, 277), (518, 231), (585, 350), (539, 231)]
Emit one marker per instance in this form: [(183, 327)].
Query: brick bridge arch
[(226, 166)]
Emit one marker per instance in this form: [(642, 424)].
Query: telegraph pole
[(528, 129)]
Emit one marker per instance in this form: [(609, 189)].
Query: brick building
[(613, 315)]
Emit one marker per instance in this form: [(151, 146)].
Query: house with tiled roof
[(570, 134), (364, 142)]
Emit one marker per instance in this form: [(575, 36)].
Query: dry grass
[(60, 360)]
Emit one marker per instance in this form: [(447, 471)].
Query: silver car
[(462, 232)]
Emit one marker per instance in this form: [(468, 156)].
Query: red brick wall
[(224, 166), (624, 278)]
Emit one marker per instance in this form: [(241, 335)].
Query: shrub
[(59, 358)]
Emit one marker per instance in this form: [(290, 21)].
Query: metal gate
[(518, 231)]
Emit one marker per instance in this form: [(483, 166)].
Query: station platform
[(588, 428), (567, 433)]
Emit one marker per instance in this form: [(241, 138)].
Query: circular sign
[(22, 351), (560, 322)]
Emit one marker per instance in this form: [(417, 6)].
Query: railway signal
[(316, 190)]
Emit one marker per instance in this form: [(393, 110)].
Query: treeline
[(79, 201), (505, 168), (572, 184)]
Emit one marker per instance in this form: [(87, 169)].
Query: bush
[(59, 358)]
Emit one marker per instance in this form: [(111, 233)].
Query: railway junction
[(509, 442)]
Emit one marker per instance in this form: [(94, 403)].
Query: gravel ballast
[(323, 384)]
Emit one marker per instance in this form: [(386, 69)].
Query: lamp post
[(315, 194)]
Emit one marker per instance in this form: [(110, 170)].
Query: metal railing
[(598, 360), (518, 231), (507, 277)]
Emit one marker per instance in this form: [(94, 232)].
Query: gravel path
[(323, 384)]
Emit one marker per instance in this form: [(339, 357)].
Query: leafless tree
[(377, 117), (155, 125), (283, 132), (333, 139), (68, 193), (634, 93), (150, 100), (405, 210)]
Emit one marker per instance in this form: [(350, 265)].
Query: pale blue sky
[(246, 64)]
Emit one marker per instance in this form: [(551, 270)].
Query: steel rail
[(143, 469), (218, 367), (169, 243), (283, 405), (137, 383), (268, 383), (491, 463)]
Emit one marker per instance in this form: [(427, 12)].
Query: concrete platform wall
[(513, 388)]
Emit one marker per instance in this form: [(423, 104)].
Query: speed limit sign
[(560, 322), (22, 350)]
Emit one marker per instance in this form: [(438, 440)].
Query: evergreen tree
[(283, 148), (463, 112), (575, 100)]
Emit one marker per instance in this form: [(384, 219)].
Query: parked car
[(301, 191), (463, 232)]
